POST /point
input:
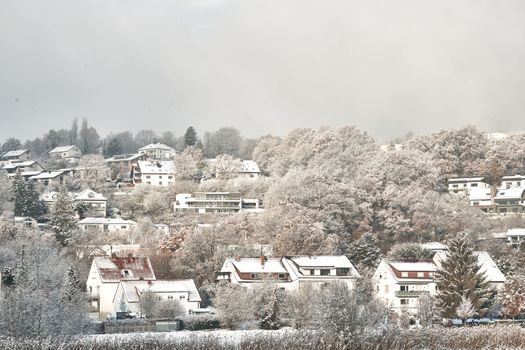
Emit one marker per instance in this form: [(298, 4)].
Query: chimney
[(237, 258), (113, 255), (262, 258)]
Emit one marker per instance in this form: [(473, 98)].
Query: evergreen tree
[(190, 137), (26, 199), (63, 219), (73, 133), (460, 278), (364, 251), (84, 137), (8, 277), (72, 288)]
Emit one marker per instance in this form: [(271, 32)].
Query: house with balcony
[(153, 173), (130, 293), (69, 153), (121, 164), (400, 284), (157, 151), (16, 156), (215, 202), (104, 278), (515, 237), (465, 184), (250, 271), (513, 181), (320, 270), (105, 225)]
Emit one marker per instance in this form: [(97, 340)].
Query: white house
[(20, 155), (290, 273), (158, 151), (105, 225), (465, 184), (481, 197), (48, 178), (153, 173), (513, 181), (215, 202), (250, 168), (105, 276), (515, 236), (130, 293), (20, 167), (320, 270), (95, 201), (70, 153), (486, 265)]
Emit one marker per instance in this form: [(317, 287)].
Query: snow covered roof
[(434, 246), (157, 145), (105, 221), (335, 261), (413, 266), (480, 194), (510, 193), (513, 177), (133, 289), (467, 179), (249, 166), (89, 195), (61, 149), (114, 269), (253, 265), (47, 175), (516, 232), (124, 157), (156, 167), (19, 164), (15, 153), (489, 267)]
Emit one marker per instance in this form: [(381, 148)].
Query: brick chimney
[(237, 258), (262, 258)]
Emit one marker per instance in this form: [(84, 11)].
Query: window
[(325, 272), (420, 274), (170, 297), (282, 276), (404, 274), (473, 185), (403, 301), (455, 186), (312, 272), (160, 176), (148, 177), (254, 276), (342, 271), (160, 183), (170, 177), (123, 227), (475, 203), (403, 288), (182, 297), (126, 273)]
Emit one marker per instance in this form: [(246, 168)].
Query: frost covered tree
[(227, 167), (512, 297), (364, 251), (409, 252), (460, 277), (152, 307), (26, 199), (72, 288), (465, 310), (235, 305), (427, 310), (63, 221)]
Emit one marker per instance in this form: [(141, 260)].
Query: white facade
[(399, 285), (71, 153), (465, 184), (131, 292), (157, 151), (250, 168), (154, 173), (20, 155), (105, 225), (515, 237), (95, 201), (48, 178), (215, 202), (290, 273), (513, 181), (104, 278)]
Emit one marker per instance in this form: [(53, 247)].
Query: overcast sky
[(263, 66)]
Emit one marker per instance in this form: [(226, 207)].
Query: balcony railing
[(409, 293)]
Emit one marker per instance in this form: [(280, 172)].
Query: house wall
[(106, 292), (157, 180), (181, 297)]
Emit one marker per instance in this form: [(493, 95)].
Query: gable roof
[(124, 157), (157, 145), (47, 175), (133, 289), (89, 195), (516, 232), (467, 179), (19, 164), (112, 269), (510, 193), (413, 266), (331, 261), (102, 221), (480, 194), (253, 265), (61, 149), (15, 153)]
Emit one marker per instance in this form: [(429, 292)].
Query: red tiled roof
[(124, 268)]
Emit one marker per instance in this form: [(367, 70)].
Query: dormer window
[(91, 195), (126, 273)]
